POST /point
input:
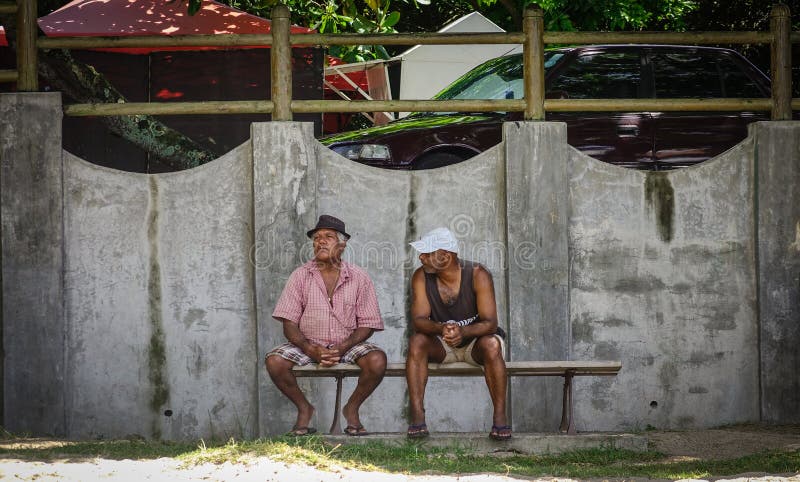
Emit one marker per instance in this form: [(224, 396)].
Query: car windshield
[(499, 78)]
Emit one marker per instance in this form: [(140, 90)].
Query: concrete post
[(284, 206), (778, 244), (538, 264), (32, 241)]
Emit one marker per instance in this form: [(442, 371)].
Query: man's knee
[(489, 347), (418, 345), (277, 365), (374, 362)]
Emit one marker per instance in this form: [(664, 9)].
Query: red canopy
[(97, 18)]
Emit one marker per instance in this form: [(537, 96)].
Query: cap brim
[(421, 247)]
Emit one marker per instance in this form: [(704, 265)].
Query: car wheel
[(437, 159)]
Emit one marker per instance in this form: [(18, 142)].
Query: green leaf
[(392, 19), (194, 6)]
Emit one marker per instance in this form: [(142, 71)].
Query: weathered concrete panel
[(161, 329), (33, 316), (662, 278), (778, 164), (538, 211)]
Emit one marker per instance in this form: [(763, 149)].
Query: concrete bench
[(566, 369)]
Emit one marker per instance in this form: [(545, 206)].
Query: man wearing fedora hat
[(454, 316), (328, 309)]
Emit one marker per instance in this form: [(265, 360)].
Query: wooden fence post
[(27, 53), (281, 67), (533, 62), (780, 25)]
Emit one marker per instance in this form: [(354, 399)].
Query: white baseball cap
[(439, 238)]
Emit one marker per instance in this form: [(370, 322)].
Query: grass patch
[(408, 458)]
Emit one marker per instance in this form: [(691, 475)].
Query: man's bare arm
[(487, 306), (360, 334), (292, 333), (421, 307)]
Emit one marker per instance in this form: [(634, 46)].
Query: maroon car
[(645, 140)]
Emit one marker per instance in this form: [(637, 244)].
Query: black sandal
[(355, 430), (301, 431), (500, 432), (417, 431)]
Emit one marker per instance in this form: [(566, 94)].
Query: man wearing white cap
[(454, 315)]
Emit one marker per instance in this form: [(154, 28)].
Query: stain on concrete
[(685, 422), (606, 350), (702, 358), (614, 322), (698, 389), (196, 364), (600, 404), (218, 407), (668, 375), (642, 284), (680, 288), (722, 320), (195, 315), (582, 329), (156, 353), (660, 199)]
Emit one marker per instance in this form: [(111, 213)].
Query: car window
[(682, 75), (610, 75), (736, 83), (500, 78)]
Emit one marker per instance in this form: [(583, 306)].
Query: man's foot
[(356, 430), (419, 430), (501, 433), (304, 416), (350, 415), (301, 431)]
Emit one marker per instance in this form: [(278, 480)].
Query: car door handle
[(627, 131)]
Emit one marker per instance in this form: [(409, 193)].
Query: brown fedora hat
[(329, 222)]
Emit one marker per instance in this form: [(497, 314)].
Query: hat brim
[(422, 247), (311, 232)]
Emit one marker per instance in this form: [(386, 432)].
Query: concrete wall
[(142, 305)]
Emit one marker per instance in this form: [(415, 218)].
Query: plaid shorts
[(295, 355)]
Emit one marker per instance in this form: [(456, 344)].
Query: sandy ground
[(704, 444)]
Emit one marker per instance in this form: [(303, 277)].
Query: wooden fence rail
[(533, 38)]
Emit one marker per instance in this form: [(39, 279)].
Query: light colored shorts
[(464, 353)]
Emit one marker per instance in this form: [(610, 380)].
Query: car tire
[(437, 159)]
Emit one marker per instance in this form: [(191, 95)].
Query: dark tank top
[(464, 310)]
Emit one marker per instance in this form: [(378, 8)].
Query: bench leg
[(567, 422), (336, 426)]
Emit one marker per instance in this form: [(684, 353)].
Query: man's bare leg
[(488, 351), (280, 371), (373, 367), (421, 349)]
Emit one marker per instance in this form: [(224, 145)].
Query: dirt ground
[(721, 443), (725, 443)]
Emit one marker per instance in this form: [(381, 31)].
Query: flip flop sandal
[(500, 432), (355, 430), (301, 431), (417, 431)]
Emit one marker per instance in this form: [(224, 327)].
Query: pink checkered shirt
[(305, 301)]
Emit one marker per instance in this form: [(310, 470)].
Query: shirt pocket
[(348, 318)]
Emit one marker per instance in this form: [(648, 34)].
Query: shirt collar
[(344, 273)]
